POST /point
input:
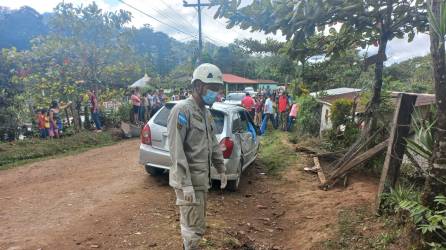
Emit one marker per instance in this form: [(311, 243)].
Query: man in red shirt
[(283, 108), (249, 104)]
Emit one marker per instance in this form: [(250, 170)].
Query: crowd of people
[(275, 107), (147, 104), (267, 106)]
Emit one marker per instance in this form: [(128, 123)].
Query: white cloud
[(172, 13)]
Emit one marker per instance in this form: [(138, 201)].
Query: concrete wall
[(325, 118)]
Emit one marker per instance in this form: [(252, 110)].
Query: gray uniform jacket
[(193, 146)]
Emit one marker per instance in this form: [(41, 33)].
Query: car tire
[(154, 171), (234, 184)]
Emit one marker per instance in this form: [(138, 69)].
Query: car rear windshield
[(161, 117)]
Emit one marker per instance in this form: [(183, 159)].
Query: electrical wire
[(184, 20), (180, 22), (210, 38), (156, 19), (214, 40)]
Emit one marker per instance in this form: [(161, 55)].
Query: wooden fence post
[(397, 145)]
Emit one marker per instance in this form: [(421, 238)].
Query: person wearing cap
[(193, 150)]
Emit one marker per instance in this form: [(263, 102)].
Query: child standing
[(41, 122)]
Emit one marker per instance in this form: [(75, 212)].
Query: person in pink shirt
[(293, 115), (136, 101), (249, 104)]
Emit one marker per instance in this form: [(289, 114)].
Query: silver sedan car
[(234, 130)]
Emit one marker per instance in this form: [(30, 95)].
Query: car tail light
[(226, 146), (146, 135)]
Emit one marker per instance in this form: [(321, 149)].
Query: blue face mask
[(210, 97)]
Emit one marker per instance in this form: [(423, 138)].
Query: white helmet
[(207, 73)]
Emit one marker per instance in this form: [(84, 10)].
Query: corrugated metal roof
[(337, 91), (233, 79), (422, 99)]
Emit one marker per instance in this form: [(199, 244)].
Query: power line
[(156, 19), (189, 35), (184, 24), (184, 20)]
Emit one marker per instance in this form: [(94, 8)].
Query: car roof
[(225, 107), (219, 106), (237, 93)]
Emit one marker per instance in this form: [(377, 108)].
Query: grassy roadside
[(275, 154), (359, 228), (21, 152)]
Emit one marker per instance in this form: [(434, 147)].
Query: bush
[(341, 115), (114, 117), (335, 139), (405, 202), (341, 112), (309, 117)]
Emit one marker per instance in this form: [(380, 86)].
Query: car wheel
[(153, 171), (233, 184)]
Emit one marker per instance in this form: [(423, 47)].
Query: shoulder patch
[(182, 119)]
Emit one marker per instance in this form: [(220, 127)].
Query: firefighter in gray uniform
[(193, 150)]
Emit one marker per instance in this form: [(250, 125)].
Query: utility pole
[(200, 37)]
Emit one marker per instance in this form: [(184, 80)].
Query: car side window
[(237, 125)]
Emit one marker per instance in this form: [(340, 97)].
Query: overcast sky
[(173, 13)]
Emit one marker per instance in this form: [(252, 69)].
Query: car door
[(239, 135), (250, 139)]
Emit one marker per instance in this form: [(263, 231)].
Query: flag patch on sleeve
[(182, 120)]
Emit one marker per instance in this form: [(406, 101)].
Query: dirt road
[(103, 199)]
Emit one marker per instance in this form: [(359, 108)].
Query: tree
[(369, 21), (436, 182), (413, 75), (335, 72), (9, 91)]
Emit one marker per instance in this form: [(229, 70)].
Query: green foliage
[(413, 75), (438, 22), (302, 90), (341, 115), (301, 20), (341, 112), (336, 139), (114, 118), (391, 201), (386, 107), (274, 154), (356, 230), (309, 117), (343, 70), (423, 142), (431, 222), (8, 93), (13, 154)]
